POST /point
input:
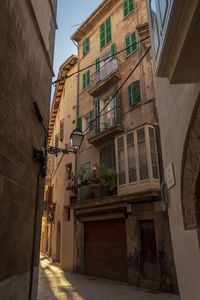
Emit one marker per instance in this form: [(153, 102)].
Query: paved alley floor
[(55, 284)]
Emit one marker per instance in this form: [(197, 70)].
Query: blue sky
[(69, 14)]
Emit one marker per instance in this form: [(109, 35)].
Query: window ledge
[(135, 106), (106, 45), (124, 18), (131, 53)]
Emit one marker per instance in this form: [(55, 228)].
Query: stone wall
[(25, 76)]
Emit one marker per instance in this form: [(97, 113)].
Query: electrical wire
[(81, 70), (97, 117)]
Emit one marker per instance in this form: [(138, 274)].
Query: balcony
[(105, 78), (106, 127), (175, 28)]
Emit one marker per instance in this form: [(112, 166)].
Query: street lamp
[(76, 139)]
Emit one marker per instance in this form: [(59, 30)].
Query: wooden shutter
[(136, 92), (116, 105), (84, 48), (97, 66), (127, 45), (87, 45), (130, 95), (91, 123), (84, 81), (113, 50), (79, 123), (102, 35), (96, 114), (61, 130), (133, 41), (87, 78), (125, 8), (108, 30), (131, 5)]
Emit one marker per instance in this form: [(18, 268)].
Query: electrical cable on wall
[(97, 117), (81, 70)]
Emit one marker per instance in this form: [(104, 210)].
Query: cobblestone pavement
[(55, 284)]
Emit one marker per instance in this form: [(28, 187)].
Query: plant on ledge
[(72, 185), (106, 176)]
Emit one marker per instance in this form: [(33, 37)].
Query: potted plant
[(72, 185)]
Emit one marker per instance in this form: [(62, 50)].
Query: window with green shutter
[(113, 50), (91, 118), (97, 65), (130, 43), (128, 6), (86, 79), (134, 93), (79, 123), (86, 45), (105, 32), (96, 115)]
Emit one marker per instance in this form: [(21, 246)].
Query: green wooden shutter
[(136, 92), (133, 41), (96, 114), (127, 44), (108, 30), (113, 50), (79, 123), (131, 5), (125, 8), (87, 45), (91, 123), (116, 105), (97, 66), (84, 81), (87, 78), (130, 95), (84, 50), (102, 35)]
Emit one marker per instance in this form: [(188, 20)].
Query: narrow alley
[(55, 284)]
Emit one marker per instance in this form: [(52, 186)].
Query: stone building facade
[(175, 26), (122, 233), (57, 236), (27, 47)]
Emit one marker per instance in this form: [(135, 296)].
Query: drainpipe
[(77, 112)]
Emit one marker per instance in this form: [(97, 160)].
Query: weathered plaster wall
[(175, 107), (59, 180)]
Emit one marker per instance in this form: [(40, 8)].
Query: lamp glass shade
[(76, 139)]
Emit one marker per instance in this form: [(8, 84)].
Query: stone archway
[(191, 173)]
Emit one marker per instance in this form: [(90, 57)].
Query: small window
[(131, 158), (86, 79), (121, 161), (142, 154), (61, 130), (79, 123), (86, 46), (113, 50), (128, 6), (134, 93), (105, 33), (153, 153), (131, 43), (97, 65)]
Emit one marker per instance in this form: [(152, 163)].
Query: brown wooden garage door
[(105, 249)]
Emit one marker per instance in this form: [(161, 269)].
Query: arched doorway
[(191, 173)]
